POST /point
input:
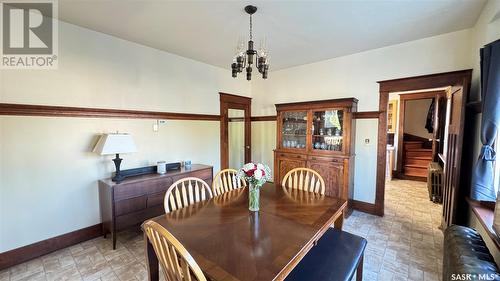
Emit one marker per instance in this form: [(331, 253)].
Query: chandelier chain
[(250, 27)]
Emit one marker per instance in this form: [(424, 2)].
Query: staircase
[(416, 159)]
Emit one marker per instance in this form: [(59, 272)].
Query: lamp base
[(118, 176), (117, 179)]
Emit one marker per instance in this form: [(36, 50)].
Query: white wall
[(264, 142), (416, 117), (98, 70), (356, 76), (48, 176)]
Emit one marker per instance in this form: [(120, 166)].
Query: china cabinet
[(318, 135)]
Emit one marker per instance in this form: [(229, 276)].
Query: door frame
[(230, 101), (403, 98), (438, 80)]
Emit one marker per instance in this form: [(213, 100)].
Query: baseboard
[(401, 176), (364, 207), (26, 253), (413, 178)]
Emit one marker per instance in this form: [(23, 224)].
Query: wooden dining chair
[(175, 260), (304, 179), (185, 192), (225, 181)]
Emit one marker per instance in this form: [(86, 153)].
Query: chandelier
[(245, 59)]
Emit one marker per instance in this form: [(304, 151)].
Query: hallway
[(406, 243)]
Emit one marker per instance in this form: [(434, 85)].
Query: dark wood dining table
[(231, 243)]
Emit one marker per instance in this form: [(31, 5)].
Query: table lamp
[(117, 143)]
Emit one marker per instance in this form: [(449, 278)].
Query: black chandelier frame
[(242, 62)]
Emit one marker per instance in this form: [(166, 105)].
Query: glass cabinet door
[(327, 130), (294, 129)]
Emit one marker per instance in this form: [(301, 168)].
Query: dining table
[(229, 242)]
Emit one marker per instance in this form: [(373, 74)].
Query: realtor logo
[(29, 34)]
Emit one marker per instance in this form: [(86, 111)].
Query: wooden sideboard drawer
[(159, 185), (202, 174), (136, 189), (155, 199), (130, 205), (127, 191), (325, 159), (137, 218)]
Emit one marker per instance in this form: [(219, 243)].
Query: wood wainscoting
[(263, 118), (17, 109), (28, 252), (67, 111), (366, 115)]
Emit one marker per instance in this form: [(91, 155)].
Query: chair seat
[(335, 257)]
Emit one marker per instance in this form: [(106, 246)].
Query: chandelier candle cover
[(244, 59), (256, 174)]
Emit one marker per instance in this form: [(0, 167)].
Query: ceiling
[(297, 32)]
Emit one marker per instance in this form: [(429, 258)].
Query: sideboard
[(136, 199)]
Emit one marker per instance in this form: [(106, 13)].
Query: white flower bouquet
[(256, 174)]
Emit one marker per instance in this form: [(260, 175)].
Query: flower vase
[(253, 197)]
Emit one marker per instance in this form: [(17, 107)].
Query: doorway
[(236, 138), (235, 127), (414, 135), (459, 84)]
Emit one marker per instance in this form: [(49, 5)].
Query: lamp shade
[(115, 144)]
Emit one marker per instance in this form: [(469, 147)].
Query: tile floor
[(404, 245)]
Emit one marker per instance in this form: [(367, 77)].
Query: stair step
[(415, 172), (407, 165), (421, 162), (410, 153), (420, 149), (419, 157), (412, 145)]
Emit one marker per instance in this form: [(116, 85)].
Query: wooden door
[(333, 175), (438, 125), (453, 152), (228, 101)]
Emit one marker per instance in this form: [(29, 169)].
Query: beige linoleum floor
[(404, 245)]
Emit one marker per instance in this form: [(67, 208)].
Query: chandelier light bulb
[(240, 49), (262, 53)]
